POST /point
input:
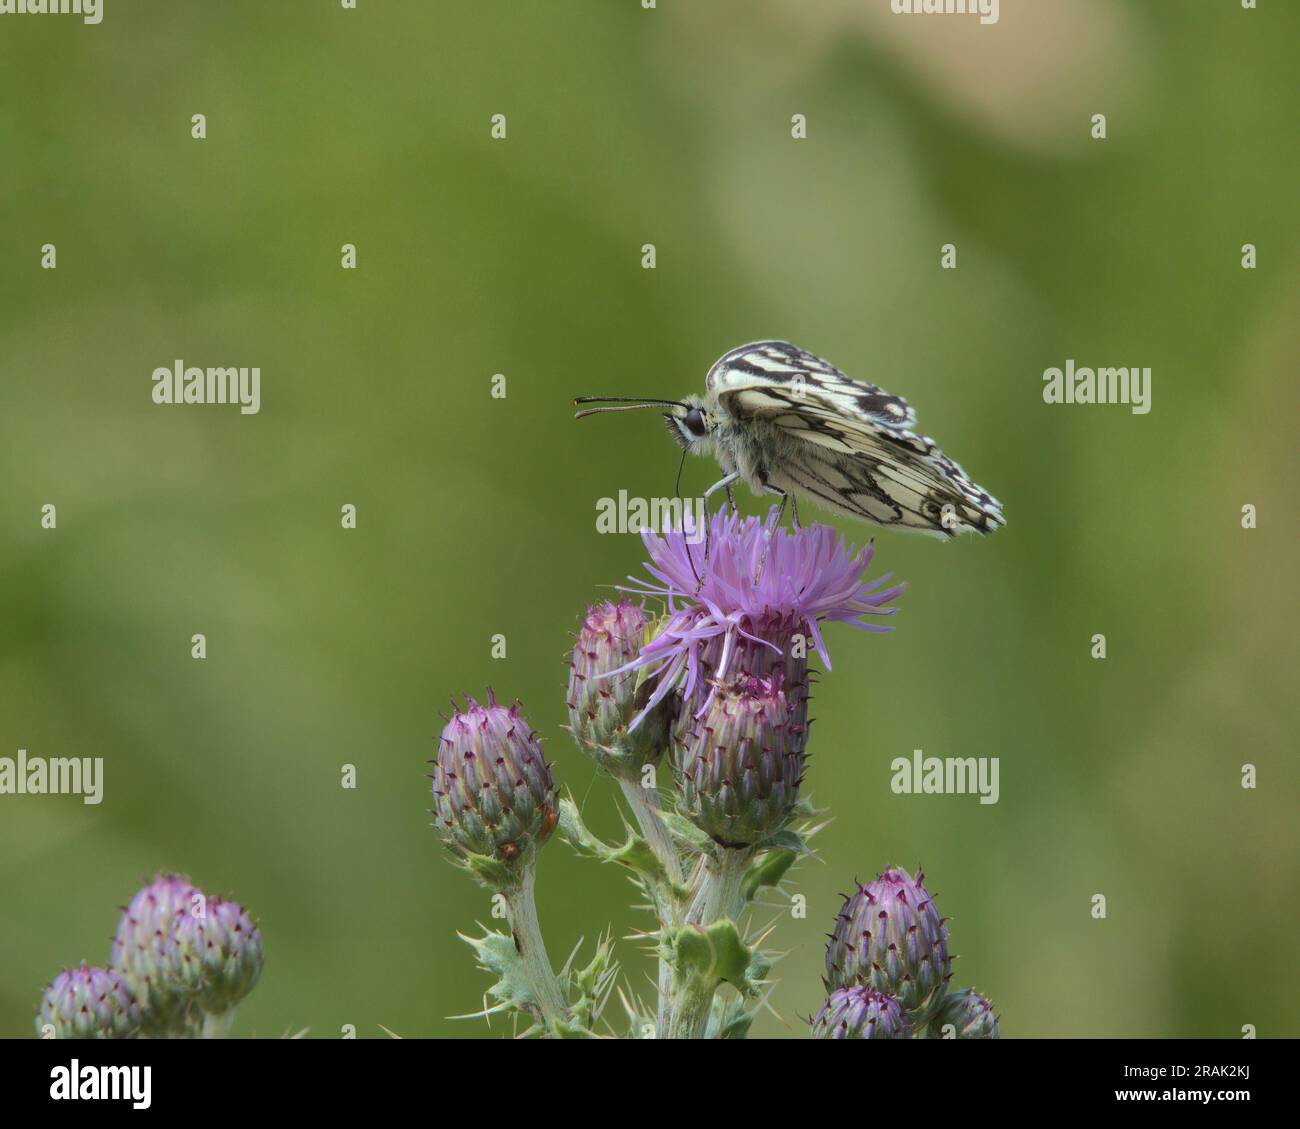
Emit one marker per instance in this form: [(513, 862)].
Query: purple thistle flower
[(967, 1015), (220, 954), (146, 954), (741, 770), (89, 1003), (738, 619), (859, 1012), (182, 953), (494, 796), (602, 703), (889, 936)]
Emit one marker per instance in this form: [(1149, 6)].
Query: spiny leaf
[(635, 853), (685, 831), (490, 872), (768, 871), (710, 955), (498, 957), (786, 841)]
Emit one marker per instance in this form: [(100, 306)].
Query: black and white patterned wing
[(780, 365), (847, 452)]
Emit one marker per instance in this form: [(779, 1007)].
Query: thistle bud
[(602, 704), (889, 936), (494, 797), (220, 954), (773, 647), (740, 772), (89, 1003), (145, 951), (858, 1012), (969, 1014)]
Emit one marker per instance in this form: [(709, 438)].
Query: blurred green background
[(477, 515)]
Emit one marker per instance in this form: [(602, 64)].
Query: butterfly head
[(688, 420), (689, 423)]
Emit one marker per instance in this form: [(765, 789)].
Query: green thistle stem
[(216, 1025), (644, 803), (689, 1017), (719, 894), (721, 890), (532, 949)]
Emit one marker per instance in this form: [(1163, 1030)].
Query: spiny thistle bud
[(602, 704), (889, 936), (969, 1015), (494, 797), (145, 951), (740, 772), (220, 955), (89, 1003), (858, 1012)]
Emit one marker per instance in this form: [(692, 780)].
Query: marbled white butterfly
[(786, 422)]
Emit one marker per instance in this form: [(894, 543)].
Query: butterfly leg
[(724, 483), (699, 580), (780, 515), (786, 496)]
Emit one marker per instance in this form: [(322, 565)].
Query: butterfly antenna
[(623, 404)]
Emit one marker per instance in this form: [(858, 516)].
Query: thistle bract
[(494, 797), (859, 1012), (967, 1015), (220, 954), (773, 648), (889, 936), (145, 951), (605, 695), (740, 771), (89, 1003)]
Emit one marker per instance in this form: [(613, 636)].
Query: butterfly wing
[(780, 365), (847, 444)]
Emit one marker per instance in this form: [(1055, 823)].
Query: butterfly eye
[(694, 421)]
